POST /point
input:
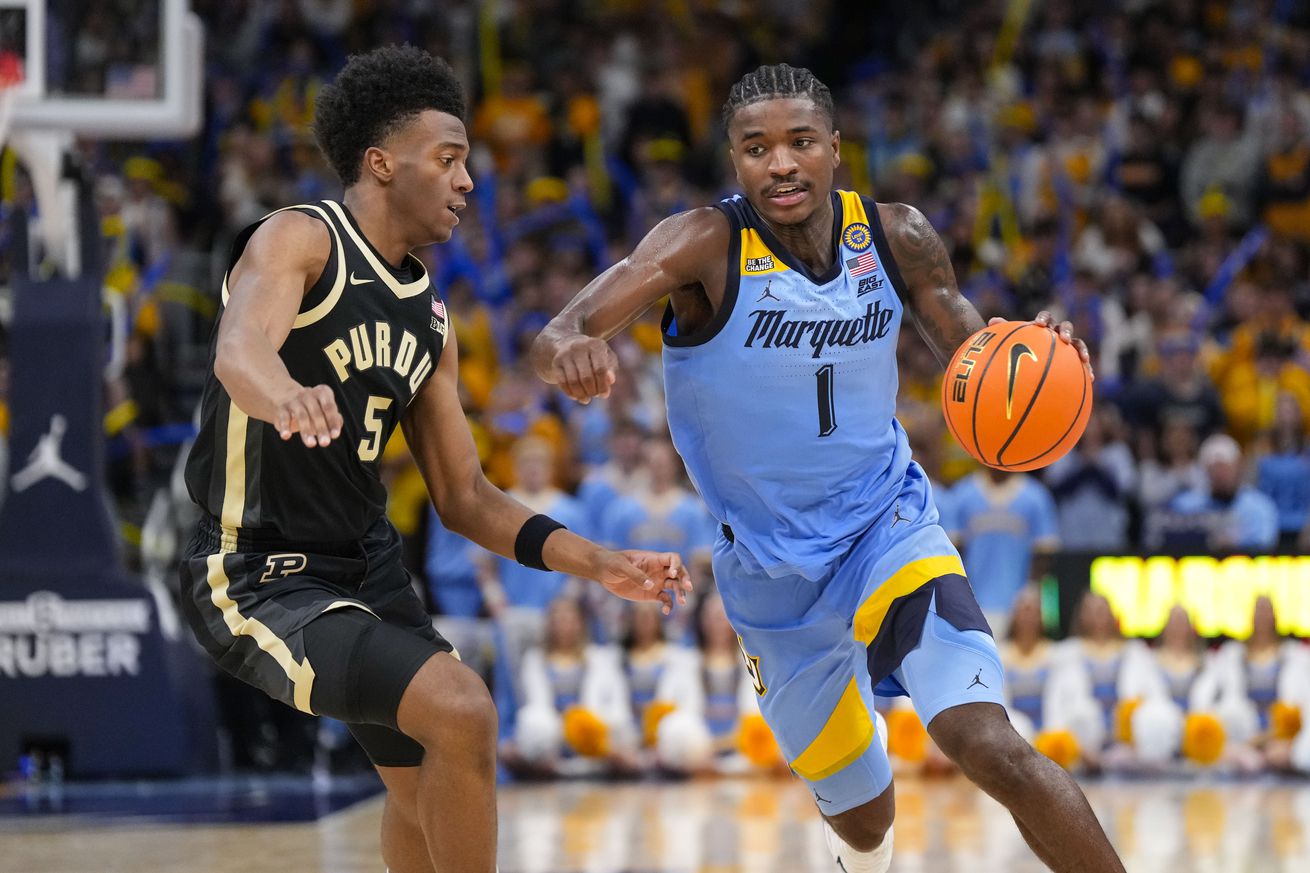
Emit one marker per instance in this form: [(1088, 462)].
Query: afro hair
[(373, 96)]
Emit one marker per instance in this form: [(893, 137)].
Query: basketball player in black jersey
[(331, 334)]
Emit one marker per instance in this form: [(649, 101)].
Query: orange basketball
[(1016, 396)]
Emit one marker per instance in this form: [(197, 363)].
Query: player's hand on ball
[(641, 575), (585, 367), (310, 412), (1016, 395), (1064, 330)]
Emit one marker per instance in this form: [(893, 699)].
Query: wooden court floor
[(749, 826)]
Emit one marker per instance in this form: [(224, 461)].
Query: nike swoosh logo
[(1018, 352), (355, 280)]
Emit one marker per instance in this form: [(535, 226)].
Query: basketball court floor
[(747, 826)]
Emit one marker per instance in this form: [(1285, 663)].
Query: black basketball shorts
[(332, 629)]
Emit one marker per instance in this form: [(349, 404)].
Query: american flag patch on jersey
[(862, 264), (438, 315)]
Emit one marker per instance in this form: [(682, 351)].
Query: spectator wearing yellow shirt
[(407, 499), (1251, 389), (288, 108), (515, 123), (479, 366), (1270, 310)]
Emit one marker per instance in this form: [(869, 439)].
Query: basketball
[(1016, 396)]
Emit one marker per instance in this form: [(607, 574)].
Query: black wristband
[(532, 538)]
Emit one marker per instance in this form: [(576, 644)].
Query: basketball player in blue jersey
[(330, 336), (780, 372)]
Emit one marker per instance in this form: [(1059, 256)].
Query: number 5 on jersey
[(370, 446)]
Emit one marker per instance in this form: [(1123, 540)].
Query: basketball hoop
[(41, 152)]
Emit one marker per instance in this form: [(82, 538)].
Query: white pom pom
[(1301, 752), (1241, 723), (1087, 721), (538, 733), (1157, 730), (683, 742)]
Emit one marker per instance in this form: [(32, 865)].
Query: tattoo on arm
[(944, 318)]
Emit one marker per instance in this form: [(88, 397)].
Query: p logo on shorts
[(283, 565)]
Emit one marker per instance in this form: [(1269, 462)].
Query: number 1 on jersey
[(369, 448), (827, 407)]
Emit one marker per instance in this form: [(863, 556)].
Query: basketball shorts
[(893, 616), (332, 629)]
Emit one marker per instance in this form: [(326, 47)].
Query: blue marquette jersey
[(783, 406)]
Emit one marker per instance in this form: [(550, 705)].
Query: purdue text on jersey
[(372, 331)]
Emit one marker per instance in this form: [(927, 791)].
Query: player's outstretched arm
[(471, 506), (282, 260), (942, 315), (572, 351)]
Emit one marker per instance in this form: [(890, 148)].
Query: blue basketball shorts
[(894, 616)]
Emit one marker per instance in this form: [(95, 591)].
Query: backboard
[(22, 27), (107, 69), (98, 69)]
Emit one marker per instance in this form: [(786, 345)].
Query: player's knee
[(864, 837), (966, 733), (470, 707), (864, 827), (455, 712), (1000, 761)]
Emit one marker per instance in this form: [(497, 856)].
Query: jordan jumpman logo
[(977, 680), (45, 461)]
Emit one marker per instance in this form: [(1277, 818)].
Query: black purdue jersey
[(372, 332)]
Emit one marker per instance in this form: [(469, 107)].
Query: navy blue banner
[(54, 519), (87, 674)]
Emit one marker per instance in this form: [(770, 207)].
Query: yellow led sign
[(1218, 593)]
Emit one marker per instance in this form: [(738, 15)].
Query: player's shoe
[(851, 861)]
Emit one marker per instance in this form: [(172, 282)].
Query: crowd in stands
[(1140, 167)]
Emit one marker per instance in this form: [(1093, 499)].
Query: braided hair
[(777, 81)]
